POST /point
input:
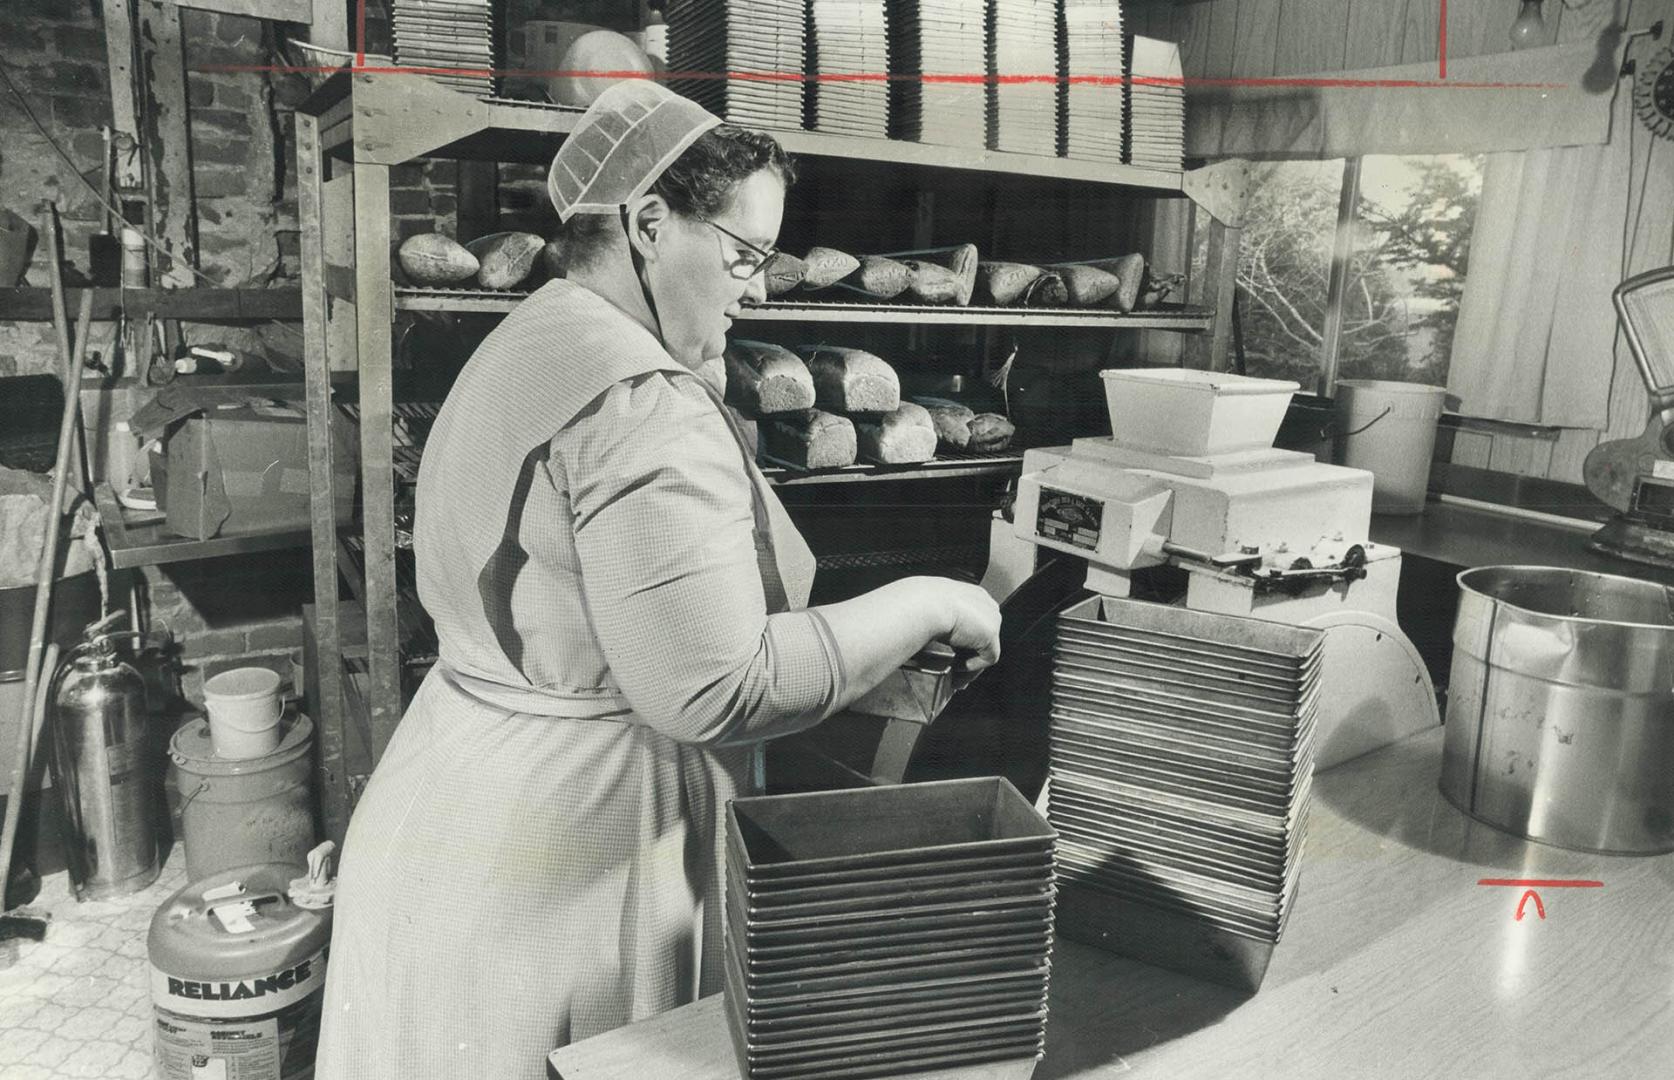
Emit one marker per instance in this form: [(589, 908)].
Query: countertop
[(1395, 963)]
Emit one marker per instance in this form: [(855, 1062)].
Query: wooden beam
[(32, 304), (119, 57), (297, 11), (330, 24), (168, 143)]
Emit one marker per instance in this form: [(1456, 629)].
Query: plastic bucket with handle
[(1389, 429)]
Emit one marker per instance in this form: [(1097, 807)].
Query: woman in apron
[(621, 603)]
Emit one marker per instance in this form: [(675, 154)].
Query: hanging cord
[(98, 197)]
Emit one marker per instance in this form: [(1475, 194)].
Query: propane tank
[(238, 964), (100, 753)]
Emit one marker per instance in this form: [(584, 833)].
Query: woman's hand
[(972, 619)]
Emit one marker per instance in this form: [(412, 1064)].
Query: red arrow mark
[(1540, 909)]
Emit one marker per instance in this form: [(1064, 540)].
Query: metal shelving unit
[(349, 134)]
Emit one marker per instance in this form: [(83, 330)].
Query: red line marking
[(1543, 883), (360, 34), (1540, 908), (976, 79), (1443, 49)]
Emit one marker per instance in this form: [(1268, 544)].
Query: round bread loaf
[(506, 258), (434, 259)]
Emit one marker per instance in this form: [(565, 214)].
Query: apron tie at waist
[(603, 704)]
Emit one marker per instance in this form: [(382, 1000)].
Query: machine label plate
[(1069, 519)]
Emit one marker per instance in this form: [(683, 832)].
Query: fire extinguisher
[(101, 765)]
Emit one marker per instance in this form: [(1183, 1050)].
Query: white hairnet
[(621, 144)]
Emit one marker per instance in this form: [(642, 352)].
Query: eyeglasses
[(746, 264)]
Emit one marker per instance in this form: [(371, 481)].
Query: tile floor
[(78, 1003)]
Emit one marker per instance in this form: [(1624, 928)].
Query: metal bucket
[(1560, 713)]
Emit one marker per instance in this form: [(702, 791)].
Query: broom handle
[(73, 358)]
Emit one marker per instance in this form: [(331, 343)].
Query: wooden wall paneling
[(1569, 452), (1524, 455), (1195, 27), (1223, 39), (1473, 448), (1475, 27), (1423, 28), (173, 217), (1311, 36), (1374, 34), (1587, 19), (1258, 38)]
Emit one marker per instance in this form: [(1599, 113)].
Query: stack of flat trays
[(1023, 46), (743, 61), (1095, 88), (456, 36), (1156, 110), (887, 930), (848, 57), (1181, 771), (939, 94)]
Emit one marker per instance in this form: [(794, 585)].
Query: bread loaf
[(434, 259), (851, 380), (952, 421), (1088, 285), (880, 277), (785, 273), (505, 258), (1048, 290), (902, 437), (962, 262), (931, 283), (990, 432), (763, 378), (1129, 271), (1004, 282), (809, 440), (827, 266)]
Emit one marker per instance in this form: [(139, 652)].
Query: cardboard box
[(244, 469)]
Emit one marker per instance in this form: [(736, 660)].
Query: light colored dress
[(620, 602)]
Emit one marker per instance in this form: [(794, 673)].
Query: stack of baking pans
[(1095, 74), (939, 49), (1023, 61), (1156, 109), (887, 930), (848, 64), (1181, 766), (453, 39), (744, 62)]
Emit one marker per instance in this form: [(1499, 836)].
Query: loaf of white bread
[(958, 427), (851, 380), (808, 440), (903, 436), (763, 379)]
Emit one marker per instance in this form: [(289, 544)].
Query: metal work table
[(1396, 963), (1468, 536)]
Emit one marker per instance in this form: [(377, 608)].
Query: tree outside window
[(1409, 246)]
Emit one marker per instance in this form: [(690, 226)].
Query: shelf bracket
[(1222, 189)]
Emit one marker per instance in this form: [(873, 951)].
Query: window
[(1405, 236)]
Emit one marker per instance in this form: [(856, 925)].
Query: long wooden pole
[(73, 358)]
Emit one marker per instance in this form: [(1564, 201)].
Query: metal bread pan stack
[(887, 930), (1181, 765)]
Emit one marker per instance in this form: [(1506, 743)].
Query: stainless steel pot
[(1560, 713)]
